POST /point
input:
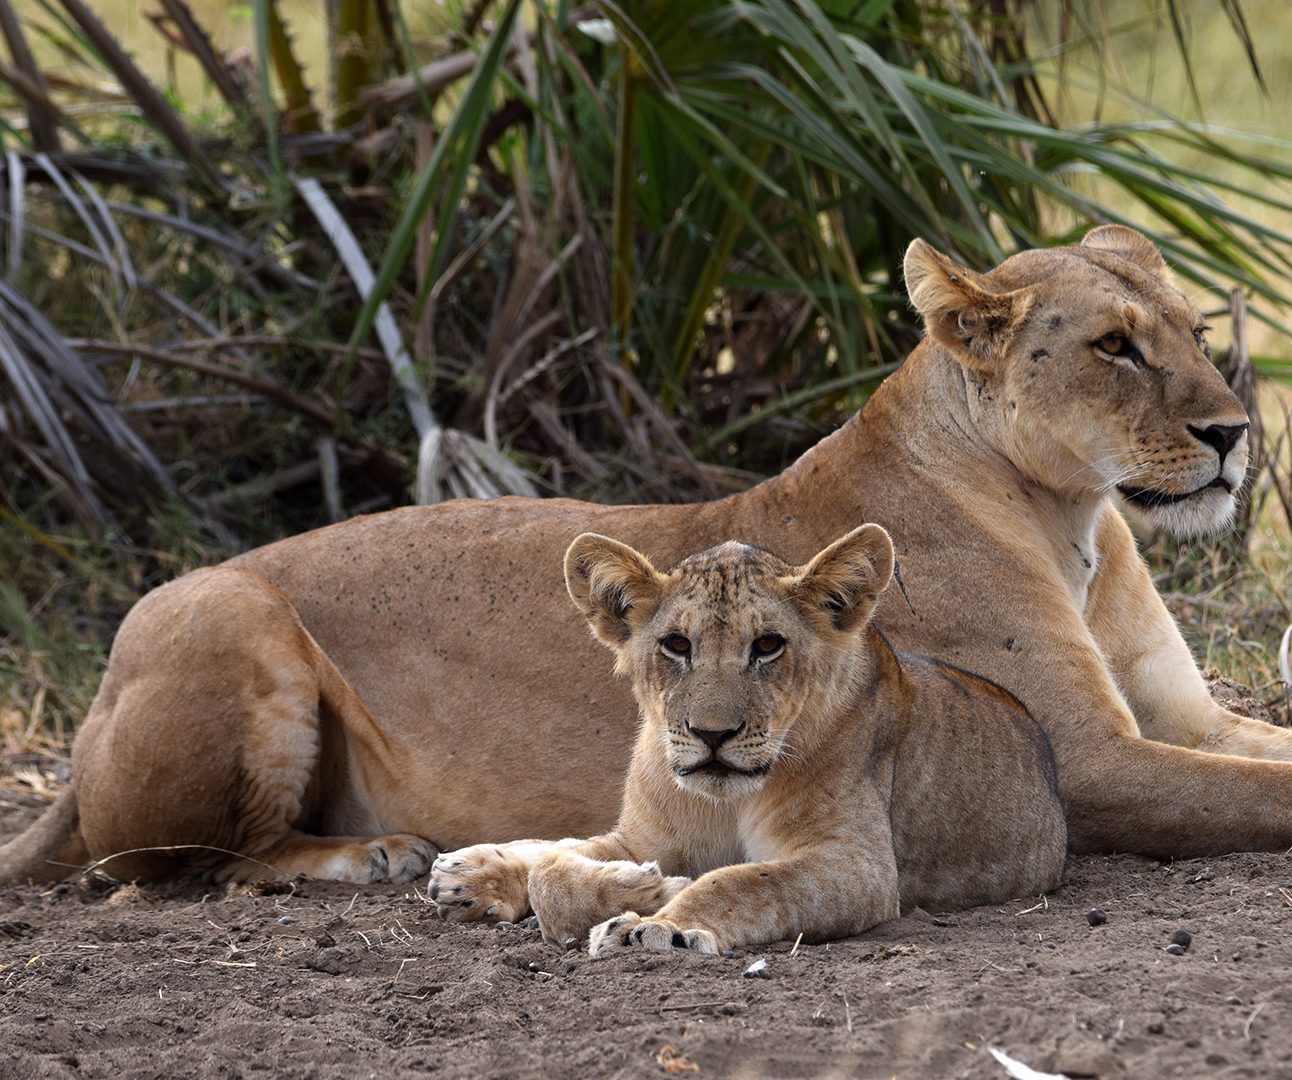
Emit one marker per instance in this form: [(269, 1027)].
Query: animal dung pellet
[(1096, 916), (1182, 938), (758, 969), (1175, 950), (286, 920)]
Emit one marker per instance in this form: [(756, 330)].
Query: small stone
[(1182, 938), (536, 968), (729, 954), (758, 969), (1096, 916), (1233, 999), (1175, 950), (570, 944), (1156, 1027), (325, 940), (504, 925), (237, 956), (286, 920), (169, 938), (330, 961), (531, 923)]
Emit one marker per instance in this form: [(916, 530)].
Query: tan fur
[(994, 465), (808, 776)]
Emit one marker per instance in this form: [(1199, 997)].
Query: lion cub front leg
[(574, 889), (492, 882), (817, 895), (487, 882)]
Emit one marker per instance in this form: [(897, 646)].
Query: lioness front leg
[(1153, 666), (819, 895)]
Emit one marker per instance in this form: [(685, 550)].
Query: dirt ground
[(320, 981)]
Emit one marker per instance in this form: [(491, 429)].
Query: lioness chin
[(810, 777), (320, 703)]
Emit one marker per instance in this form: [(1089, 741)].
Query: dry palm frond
[(66, 402), (447, 460), (43, 116)]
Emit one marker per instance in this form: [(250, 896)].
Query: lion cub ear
[(614, 586), (959, 312), (1132, 246), (842, 584)]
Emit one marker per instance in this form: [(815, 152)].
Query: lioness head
[(733, 648), (1091, 372)]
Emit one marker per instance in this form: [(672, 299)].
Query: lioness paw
[(482, 883), (630, 930), (405, 857)]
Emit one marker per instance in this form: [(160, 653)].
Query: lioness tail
[(49, 849)]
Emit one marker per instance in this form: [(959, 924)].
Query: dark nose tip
[(713, 738), (1222, 437)]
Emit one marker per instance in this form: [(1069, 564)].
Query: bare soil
[(319, 980)]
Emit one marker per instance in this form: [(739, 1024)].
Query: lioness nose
[(713, 738), (1221, 436)]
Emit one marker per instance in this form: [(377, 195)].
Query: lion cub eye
[(767, 647), (1119, 347), (677, 646)]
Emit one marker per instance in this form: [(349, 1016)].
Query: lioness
[(1045, 389), (816, 777)]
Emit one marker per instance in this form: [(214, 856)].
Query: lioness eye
[(1114, 344), (1119, 346), (1200, 336), (677, 645), (766, 646)]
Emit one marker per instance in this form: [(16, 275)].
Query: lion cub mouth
[(716, 767)]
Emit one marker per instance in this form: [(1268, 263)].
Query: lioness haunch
[(810, 778)]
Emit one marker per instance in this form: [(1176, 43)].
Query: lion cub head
[(1090, 372), (733, 651)]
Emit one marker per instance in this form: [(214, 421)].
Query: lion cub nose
[(715, 737), (1222, 437)]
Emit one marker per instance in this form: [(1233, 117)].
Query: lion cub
[(794, 773)]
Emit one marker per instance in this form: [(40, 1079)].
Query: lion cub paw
[(571, 893), (630, 930), (482, 883)]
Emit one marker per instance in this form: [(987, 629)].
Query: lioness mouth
[(720, 768), (1150, 499)]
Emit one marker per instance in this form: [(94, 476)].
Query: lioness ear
[(843, 583), (1130, 245), (614, 586), (975, 323)]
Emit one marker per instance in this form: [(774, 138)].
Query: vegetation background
[(268, 265)]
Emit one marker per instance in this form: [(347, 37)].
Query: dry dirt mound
[(321, 982)]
